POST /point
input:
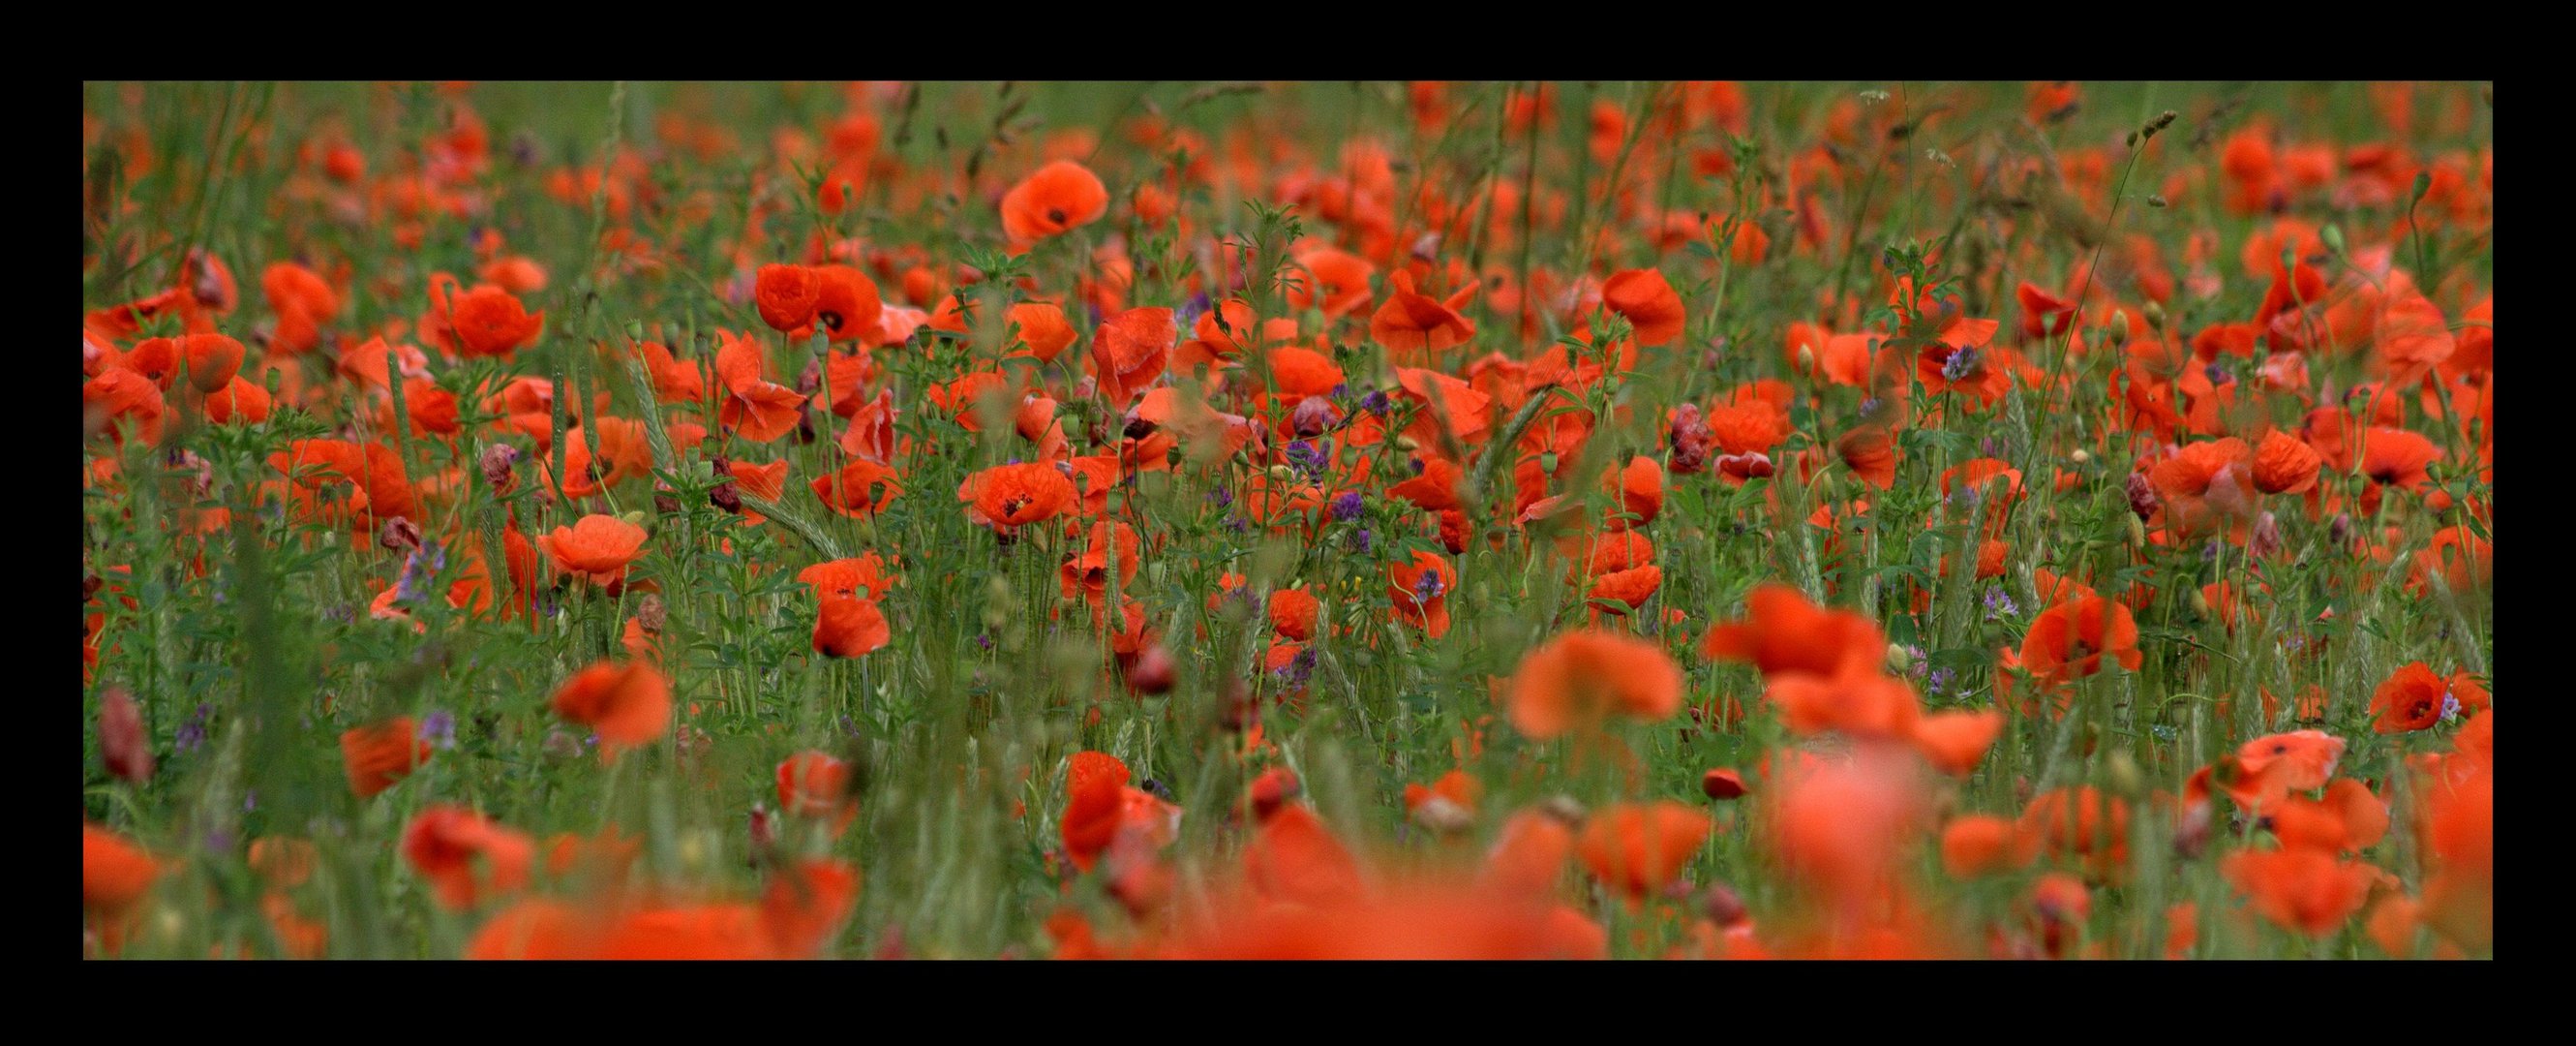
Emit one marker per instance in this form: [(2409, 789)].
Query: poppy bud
[(2142, 495), (2080, 456), (2155, 314), (1273, 789), (2137, 532), (636, 517), (1442, 816), (694, 849), (121, 737), (399, 535), (1282, 474), (1154, 672), (1313, 415), (499, 462), (1806, 356), (1898, 659), (2266, 538), (2191, 834), (1723, 907), (1237, 711), (2333, 237), (764, 832), (2125, 776), (1564, 808)]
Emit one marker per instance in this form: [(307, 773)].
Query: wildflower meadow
[(1572, 520)]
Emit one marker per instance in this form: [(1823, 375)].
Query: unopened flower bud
[(398, 534), (1722, 906), (499, 463), (1154, 672), (122, 741), (2266, 538), (727, 496), (1312, 417), (2126, 779), (2142, 495), (1442, 816)]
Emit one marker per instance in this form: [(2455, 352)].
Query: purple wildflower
[(439, 728)]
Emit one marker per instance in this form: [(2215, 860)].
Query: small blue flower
[(1309, 458), (192, 733), (438, 728), (1347, 506), (2000, 604), (1960, 364), (1428, 588)]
